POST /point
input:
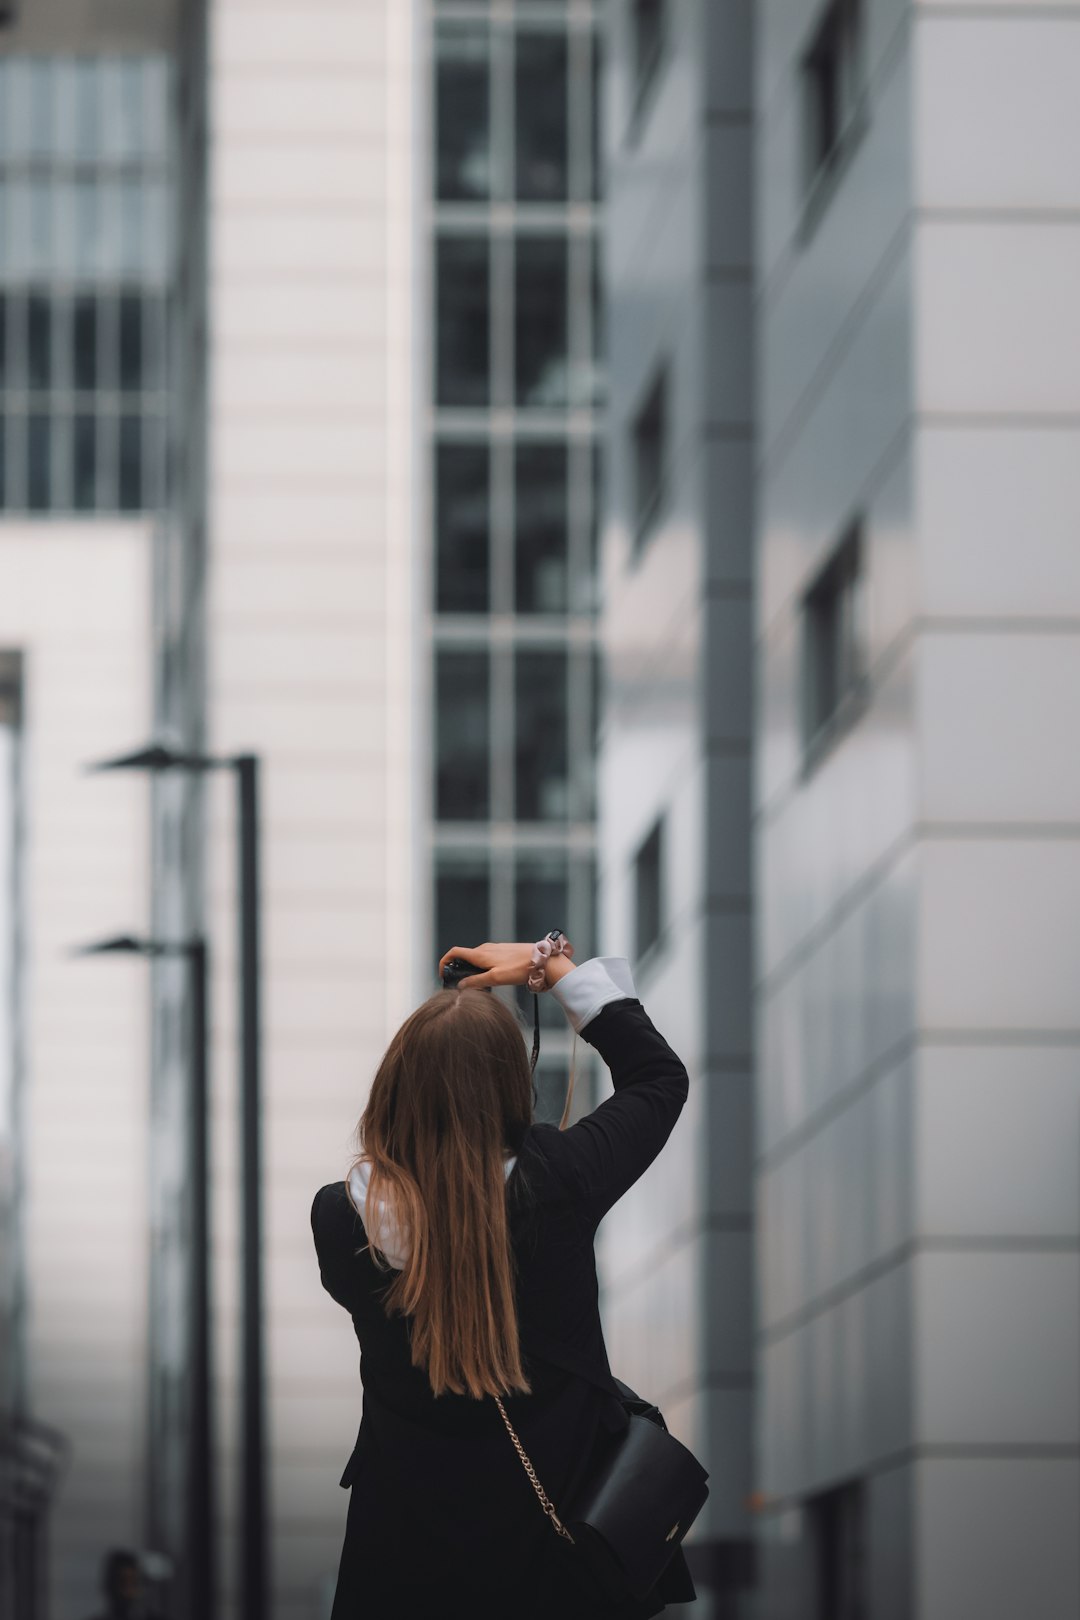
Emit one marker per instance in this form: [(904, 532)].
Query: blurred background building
[(615, 462)]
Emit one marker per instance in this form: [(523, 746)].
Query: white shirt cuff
[(590, 986)]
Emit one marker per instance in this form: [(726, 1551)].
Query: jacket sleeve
[(606, 1152), (338, 1233)]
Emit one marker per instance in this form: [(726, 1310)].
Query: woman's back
[(440, 1499)]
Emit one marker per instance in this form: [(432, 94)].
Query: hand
[(501, 964)]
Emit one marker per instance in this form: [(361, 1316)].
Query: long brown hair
[(451, 1098)]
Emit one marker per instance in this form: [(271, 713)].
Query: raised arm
[(608, 1150)]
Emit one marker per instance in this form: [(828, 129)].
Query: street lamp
[(160, 757), (199, 1481)]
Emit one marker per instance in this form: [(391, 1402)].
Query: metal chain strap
[(542, 1496)]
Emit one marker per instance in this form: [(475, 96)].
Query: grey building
[(912, 653), (676, 741)]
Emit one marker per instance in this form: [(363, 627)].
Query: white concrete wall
[(75, 600), (309, 633)]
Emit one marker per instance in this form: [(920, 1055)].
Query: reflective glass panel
[(540, 320), (131, 464), (462, 725), (540, 904), (38, 341), (462, 901), (462, 298), (38, 447), (540, 521), (3, 340), (85, 357), (462, 522), (540, 103), (131, 341), (462, 112), (84, 464), (541, 783)]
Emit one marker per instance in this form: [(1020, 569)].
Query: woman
[(462, 1246)]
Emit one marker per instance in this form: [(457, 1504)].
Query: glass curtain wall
[(515, 426), (84, 255)]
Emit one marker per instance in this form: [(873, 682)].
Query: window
[(648, 890), (462, 900), (541, 146), (541, 898), (832, 87), (541, 764), (85, 266), (834, 644), (462, 727), (649, 36), (462, 528), (836, 1520), (650, 452), (541, 321), (462, 112), (462, 302), (541, 520)]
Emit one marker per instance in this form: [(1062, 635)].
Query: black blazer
[(441, 1511)]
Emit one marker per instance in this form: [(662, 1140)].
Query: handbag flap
[(642, 1500)]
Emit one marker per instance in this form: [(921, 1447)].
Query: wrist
[(555, 968)]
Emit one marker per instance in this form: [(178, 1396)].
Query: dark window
[(3, 332), (540, 321), (541, 767), (541, 517), (462, 528), (462, 112), (462, 735), (38, 342), (649, 19), (832, 84), (540, 904), (84, 464), (38, 455), (462, 901), (650, 454), (462, 300), (131, 342), (648, 890), (834, 644), (85, 362), (540, 134), (131, 464), (836, 1520)]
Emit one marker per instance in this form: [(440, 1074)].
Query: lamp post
[(160, 757), (199, 1481)]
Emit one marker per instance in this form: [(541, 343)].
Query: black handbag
[(642, 1492)]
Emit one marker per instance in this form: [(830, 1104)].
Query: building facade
[(915, 827), (85, 177), (676, 736), (514, 445)]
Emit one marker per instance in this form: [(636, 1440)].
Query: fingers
[(464, 953), (477, 981)]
